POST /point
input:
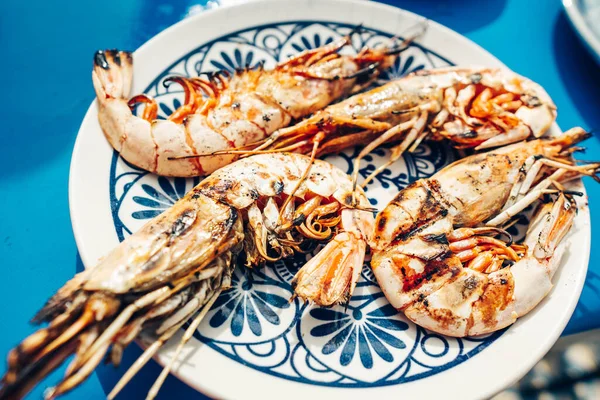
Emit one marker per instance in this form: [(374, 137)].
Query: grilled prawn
[(258, 209), (472, 107), (223, 111), (441, 256)]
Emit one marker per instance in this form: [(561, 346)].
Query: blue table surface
[(46, 62)]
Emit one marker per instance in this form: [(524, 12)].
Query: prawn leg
[(416, 126), (189, 332)]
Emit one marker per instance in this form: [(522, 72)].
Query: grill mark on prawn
[(100, 60), (262, 171), (445, 317), (263, 130), (116, 57), (416, 227), (190, 142), (348, 199), (155, 166), (439, 238), (454, 274), (228, 224), (182, 224), (278, 187), (397, 201), (433, 186), (275, 180), (429, 213), (152, 262), (216, 191), (219, 192), (402, 194), (495, 298), (249, 117), (268, 100), (433, 268), (382, 222), (229, 142)]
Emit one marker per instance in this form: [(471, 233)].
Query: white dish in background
[(585, 18), (268, 348)]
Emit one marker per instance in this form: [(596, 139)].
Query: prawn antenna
[(421, 27)]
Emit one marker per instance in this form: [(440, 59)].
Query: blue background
[(46, 64)]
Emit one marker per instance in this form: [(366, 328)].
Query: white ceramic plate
[(585, 18), (255, 344)]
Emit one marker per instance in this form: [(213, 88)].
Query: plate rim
[(517, 372)]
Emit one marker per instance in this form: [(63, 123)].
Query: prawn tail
[(112, 74), (329, 278), (75, 323), (549, 226), (545, 248)]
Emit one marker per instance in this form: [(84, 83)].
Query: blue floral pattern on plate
[(365, 344), (248, 302)]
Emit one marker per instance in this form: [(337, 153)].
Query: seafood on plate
[(440, 251), (472, 107), (225, 110), (258, 209)]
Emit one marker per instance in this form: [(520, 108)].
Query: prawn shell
[(446, 102), (268, 175), (477, 187), (205, 223), (300, 96), (419, 274), (205, 141), (496, 78), (495, 309), (405, 279), (171, 140), (189, 234), (228, 111), (533, 280), (409, 210), (448, 310)]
